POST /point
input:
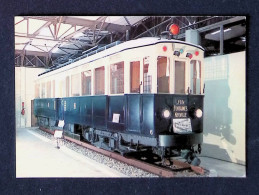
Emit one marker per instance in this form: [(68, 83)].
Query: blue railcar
[(141, 95)]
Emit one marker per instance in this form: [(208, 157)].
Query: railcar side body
[(139, 95)]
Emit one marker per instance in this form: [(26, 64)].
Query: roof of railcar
[(141, 42)]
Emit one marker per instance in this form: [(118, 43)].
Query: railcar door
[(60, 109)]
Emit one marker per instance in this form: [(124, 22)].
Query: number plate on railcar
[(182, 125)]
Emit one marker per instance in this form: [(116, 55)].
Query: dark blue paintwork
[(138, 113)]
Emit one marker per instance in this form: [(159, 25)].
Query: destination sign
[(180, 110)]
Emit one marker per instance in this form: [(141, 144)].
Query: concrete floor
[(219, 168), (37, 156)]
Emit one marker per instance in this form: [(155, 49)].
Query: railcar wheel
[(88, 134)]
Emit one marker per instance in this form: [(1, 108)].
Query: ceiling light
[(226, 30)]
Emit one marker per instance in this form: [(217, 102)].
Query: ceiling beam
[(31, 36), (37, 32), (83, 22), (32, 53)]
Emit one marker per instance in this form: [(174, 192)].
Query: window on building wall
[(53, 88), (195, 77), (147, 76), (48, 94), (180, 77), (99, 80), (37, 90), (86, 82), (43, 90), (67, 86), (75, 85), (134, 76), (163, 74), (117, 78)]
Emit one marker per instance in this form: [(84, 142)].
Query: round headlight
[(166, 113), (198, 113)]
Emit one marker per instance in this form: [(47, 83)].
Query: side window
[(53, 88), (86, 82), (37, 90), (67, 86), (180, 77), (163, 74), (99, 80), (42, 90), (134, 76), (117, 78), (147, 76), (75, 79), (61, 88), (48, 95), (195, 77)]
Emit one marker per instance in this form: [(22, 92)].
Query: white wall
[(224, 107), (24, 92)]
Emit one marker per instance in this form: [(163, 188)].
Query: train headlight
[(198, 113), (166, 113)]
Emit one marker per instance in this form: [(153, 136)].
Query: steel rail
[(160, 171)]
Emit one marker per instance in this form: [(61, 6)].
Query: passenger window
[(163, 74), (147, 76), (180, 77), (67, 86), (48, 95), (86, 82), (134, 76), (195, 77), (75, 80), (117, 78), (37, 90), (62, 88), (99, 81), (43, 90), (53, 88)]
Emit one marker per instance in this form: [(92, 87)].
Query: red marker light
[(164, 48), (189, 55), (196, 53), (174, 29)]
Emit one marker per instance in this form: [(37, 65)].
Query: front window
[(195, 77), (117, 78), (180, 77), (163, 74), (99, 81)]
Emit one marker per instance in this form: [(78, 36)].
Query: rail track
[(162, 171)]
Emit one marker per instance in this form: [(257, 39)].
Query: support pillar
[(221, 40), (193, 36)]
